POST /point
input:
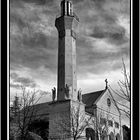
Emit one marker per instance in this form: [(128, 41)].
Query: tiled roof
[(90, 98)]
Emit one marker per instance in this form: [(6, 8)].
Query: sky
[(103, 39)]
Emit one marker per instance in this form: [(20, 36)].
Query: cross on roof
[(106, 83)]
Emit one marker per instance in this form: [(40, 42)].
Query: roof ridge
[(95, 92)]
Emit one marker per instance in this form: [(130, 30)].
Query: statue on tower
[(67, 89), (53, 94), (79, 97)]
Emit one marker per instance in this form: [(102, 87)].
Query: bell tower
[(66, 25), (60, 117)]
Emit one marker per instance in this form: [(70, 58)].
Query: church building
[(74, 115)]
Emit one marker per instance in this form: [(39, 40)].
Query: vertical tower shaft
[(66, 25), (61, 110)]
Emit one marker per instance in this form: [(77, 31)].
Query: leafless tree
[(73, 124), (78, 122), (26, 111), (123, 93), (101, 125)]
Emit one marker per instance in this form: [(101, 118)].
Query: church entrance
[(90, 134)]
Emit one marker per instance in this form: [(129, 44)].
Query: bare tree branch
[(77, 123), (123, 93), (27, 111)]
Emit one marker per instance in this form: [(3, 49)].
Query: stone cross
[(106, 83)]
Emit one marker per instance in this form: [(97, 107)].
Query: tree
[(101, 123), (24, 111), (74, 123), (40, 127), (13, 113), (81, 121), (123, 93), (78, 122)]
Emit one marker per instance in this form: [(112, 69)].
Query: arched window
[(111, 136), (90, 134), (116, 124), (104, 136)]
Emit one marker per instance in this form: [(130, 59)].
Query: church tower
[(60, 117), (66, 25)]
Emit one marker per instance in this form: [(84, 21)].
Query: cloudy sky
[(103, 40)]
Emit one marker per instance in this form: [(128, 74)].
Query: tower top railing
[(74, 15), (67, 9)]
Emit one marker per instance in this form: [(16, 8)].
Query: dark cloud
[(101, 60), (18, 81), (34, 42), (99, 3), (122, 6), (39, 2), (29, 46), (16, 19), (34, 52), (115, 34)]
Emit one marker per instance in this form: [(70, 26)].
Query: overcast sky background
[(103, 40)]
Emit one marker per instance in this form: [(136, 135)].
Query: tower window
[(69, 8), (63, 8)]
